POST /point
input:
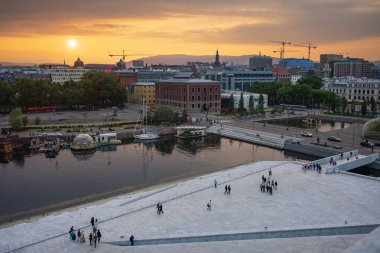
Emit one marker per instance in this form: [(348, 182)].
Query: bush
[(15, 119), (25, 121), (37, 121)]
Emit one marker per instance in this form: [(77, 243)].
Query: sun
[(72, 43)]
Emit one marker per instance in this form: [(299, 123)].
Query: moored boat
[(186, 132), (107, 139)]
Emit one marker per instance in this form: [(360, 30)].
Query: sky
[(37, 31)]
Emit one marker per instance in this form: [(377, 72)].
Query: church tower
[(217, 62)]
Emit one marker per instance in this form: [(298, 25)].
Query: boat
[(106, 139), (187, 132), (83, 142), (145, 134), (51, 143)]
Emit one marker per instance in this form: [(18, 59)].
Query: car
[(306, 134), (334, 138), (367, 144)]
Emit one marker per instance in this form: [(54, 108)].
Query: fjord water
[(35, 182)]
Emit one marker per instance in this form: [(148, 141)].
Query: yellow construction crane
[(309, 46), (124, 55), (283, 43)]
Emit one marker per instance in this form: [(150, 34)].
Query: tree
[(231, 104), (25, 121), (251, 105), (373, 105), (364, 108), (241, 102), (165, 114), (343, 104), (184, 116), (353, 105), (260, 106), (314, 82), (15, 119)]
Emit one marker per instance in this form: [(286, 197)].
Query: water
[(323, 125), (29, 182)]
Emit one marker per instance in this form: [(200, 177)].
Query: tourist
[(225, 189), (209, 205), (90, 238), (92, 221), (272, 183), (79, 235), (98, 235), (132, 240), (229, 189), (262, 178), (270, 172), (160, 209), (94, 238), (94, 229), (215, 183), (96, 223), (275, 185)]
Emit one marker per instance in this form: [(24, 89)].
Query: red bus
[(36, 109)]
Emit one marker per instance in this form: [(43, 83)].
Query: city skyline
[(39, 31)]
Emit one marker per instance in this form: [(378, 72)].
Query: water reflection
[(319, 125)]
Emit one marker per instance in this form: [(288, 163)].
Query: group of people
[(313, 166), (94, 237), (227, 189), (159, 208), (268, 185)]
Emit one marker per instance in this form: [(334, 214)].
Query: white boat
[(145, 134), (187, 132), (107, 139)]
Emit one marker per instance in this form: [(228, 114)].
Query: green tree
[(165, 114), (260, 106), (314, 82), (251, 105), (241, 102), (364, 108), (373, 105), (15, 119), (184, 116), (37, 121), (344, 104), (353, 105), (7, 95), (25, 121), (231, 104)]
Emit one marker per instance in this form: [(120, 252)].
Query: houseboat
[(187, 132), (83, 142), (107, 139)]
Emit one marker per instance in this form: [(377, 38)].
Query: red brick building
[(127, 79), (192, 95)]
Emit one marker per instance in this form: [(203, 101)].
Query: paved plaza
[(303, 200)]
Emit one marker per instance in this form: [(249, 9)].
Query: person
[(318, 139), (226, 189), (215, 183), (79, 235), (94, 229), (132, 240), (98, 235), (341, 156), (270, 171), (275, 185), (71, 229), (90, 238), (209, 205), (158, 207), (92, 221), (96, 223), (94, 239), (229, 189), (282, 135), (82, 238), (160, 211)]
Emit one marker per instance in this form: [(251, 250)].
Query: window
[(210, 89), (192, 90), (204, 90), (199, 89), (216, 104), (199, 98), (192, 105), (216, 97), (192, 98)]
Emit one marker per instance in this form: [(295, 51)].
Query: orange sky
[(37, 31)]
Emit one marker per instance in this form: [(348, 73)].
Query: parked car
[(334, 138), (367, 144), (306, 134)]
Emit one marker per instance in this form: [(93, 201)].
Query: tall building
[(144, 91), (260, 62), (327, 64), (61, 74), (303, 64), (192, 95), (354, 67), (217, 64), (78, 63)]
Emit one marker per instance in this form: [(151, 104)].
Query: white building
[(294, 79), (61, 74), (246, 96), (354, 88)]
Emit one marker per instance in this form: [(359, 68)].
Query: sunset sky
[(38, 31)]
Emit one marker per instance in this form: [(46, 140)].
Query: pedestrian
[(275, 185), (94, 229), (272, 183), (225, 189), (71, 229), (96, 223), (90, 238), (270, 172), (132, 240), (98, 235), (82, 237), (161, 211), (92, 221), (158, 208), (229, 189), (215, 183), (94, 239), (78, 235), (209, 205), (262, 178)]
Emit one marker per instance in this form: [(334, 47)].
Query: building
[(78, 63), (354, 67), (217, 64), (61, 74), (354, 88), (192, 95), (302, 64), (282, 75), (294, 78), (138, 64), (239, 80), (100, 67), (144, 91), (227, 95), (153, 76), (327, 64), (260, 62)]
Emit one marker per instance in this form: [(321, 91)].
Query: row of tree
[(95, 89)]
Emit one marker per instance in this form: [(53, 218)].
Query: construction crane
[(124, 55), (283, 43), (309, 46), (281, 53)]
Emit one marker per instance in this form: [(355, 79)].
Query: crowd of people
[(94, 236), (268, 184), (312, 166)]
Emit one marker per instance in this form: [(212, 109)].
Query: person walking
[(226, 189), (270, 172), (209, 205), (94, 229), (215, 183), (160, 211), (132, 240), (275, 185), (92, 221), (229, 189), (158, 208), (98, 235), (78, 235), (82, 237), (95, 239), (90, 238), (96, 223)]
